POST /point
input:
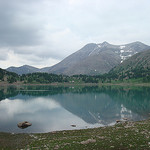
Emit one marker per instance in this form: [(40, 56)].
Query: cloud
[(4, 53), (16, 27), (49, 31)]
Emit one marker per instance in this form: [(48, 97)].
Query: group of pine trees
[(112, 76)]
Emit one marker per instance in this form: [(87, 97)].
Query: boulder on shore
[(73, 125), (24, 124)]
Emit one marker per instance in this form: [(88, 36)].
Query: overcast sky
[(43, 32)]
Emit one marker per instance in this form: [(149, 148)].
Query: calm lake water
[(51, 108)]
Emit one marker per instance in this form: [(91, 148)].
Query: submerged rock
[(24, 124)]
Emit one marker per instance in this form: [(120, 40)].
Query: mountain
[(139, 60), (137, 66), (97, 58), (92, 59), (23, 69)]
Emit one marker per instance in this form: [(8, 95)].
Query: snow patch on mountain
[(99, 45), (125, 52), (121, 51), (123, 58), (123, 46), (95, 50), (129, 51)]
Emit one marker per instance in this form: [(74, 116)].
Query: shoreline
[(124, 135), (74, 84), (74, 129)]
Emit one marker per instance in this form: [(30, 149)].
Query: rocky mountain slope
[(97, 58), (92, 59)]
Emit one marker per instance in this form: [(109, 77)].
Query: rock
[(24, 124), (118, 121), (88, 141), (56, 147), (53, 132), (73, 125)]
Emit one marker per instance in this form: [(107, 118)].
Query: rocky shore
[(123, 135)]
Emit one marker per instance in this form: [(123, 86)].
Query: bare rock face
[(24, 124)]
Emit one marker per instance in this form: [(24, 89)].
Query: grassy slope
[(128, 135), (138, 60)]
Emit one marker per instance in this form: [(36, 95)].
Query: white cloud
[(48, 31)]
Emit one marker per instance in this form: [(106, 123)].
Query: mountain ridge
[(97, 58), (91, 59), (25, 69)]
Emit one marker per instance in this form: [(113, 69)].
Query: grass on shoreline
[(123, 136), (77, 84)]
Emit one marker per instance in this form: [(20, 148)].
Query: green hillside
[(9, 77), (137, 66)]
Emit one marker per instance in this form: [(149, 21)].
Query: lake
[(52, 108)]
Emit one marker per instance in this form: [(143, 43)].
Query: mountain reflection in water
[(51, 108)]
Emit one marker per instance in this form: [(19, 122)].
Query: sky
[(41, 33)]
